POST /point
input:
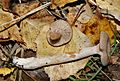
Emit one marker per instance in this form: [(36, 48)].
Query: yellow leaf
[(6, 71), (95, 25), (61, 3)]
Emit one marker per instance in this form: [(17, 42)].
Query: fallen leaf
[(60, 3), (22, 9), (34, 33), (43, 47), (36, 75), (83, 17), (95, 25), (86, 15), (110, 7), (78, 41), (30, 29), (6, 71), (5, 4), (11, 33), (62, 71)]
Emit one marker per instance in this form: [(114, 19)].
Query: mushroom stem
[(32, 63)]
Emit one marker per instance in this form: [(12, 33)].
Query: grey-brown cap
[(59, 33)]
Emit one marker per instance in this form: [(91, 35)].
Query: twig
[(5, 52), (102, 71), (14, 21), (78, 14)]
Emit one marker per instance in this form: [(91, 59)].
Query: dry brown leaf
[(5, 4), (6, 71), (29, 33), (95, 25), (30, 28), (62, 71), (24, 8), (43, 47), (84, 16), (110, 6), (60, 3), (34, 34), (11, 33), (78, 41), (36, 75)]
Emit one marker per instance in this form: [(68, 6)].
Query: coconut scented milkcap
[(59, 33)]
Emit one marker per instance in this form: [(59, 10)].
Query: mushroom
[(103, 49), (59, 33)]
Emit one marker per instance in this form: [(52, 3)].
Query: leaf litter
[(32, 35)]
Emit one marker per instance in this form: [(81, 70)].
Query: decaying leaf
[(36, 75), (6, 71), (43, 47), (63, 71), (11, 33), (34, 33), (29, 33), (95, 25), (110, 7), (24, 8), (83, 17), (61, 3), (5, 4), (78, 41), (30, 29)]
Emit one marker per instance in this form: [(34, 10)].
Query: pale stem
[(32, 63)]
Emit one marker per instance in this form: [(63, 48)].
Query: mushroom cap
[(59, 33), (104, 47)]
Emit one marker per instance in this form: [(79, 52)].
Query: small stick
[(14, 21), (5, 52), (78, 14)]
